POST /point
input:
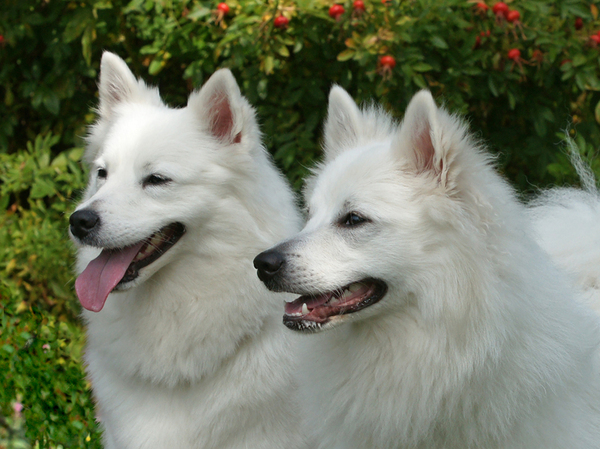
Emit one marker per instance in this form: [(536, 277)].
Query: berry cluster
[(505, 16)]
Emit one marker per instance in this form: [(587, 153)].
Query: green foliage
[(40, 358), (50, 52), (40, 339), (35, 189)]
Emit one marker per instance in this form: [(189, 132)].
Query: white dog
[(188, 350), (445, 325)]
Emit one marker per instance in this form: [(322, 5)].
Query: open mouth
[(151, 249), (115, 267), (310, 313)]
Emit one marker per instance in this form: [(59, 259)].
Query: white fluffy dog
[(188, 350), (439, 320)]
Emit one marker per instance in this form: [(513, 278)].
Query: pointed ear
[(421, 138), (117, 83), (343, 123), (220, 106)]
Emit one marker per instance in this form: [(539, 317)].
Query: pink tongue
[(102, 275)]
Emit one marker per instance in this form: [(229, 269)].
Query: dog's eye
[(155, 180), (102, 173), (353, 219)]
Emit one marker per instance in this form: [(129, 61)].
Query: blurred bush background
[(519, 102)]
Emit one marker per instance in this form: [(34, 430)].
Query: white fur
[(567, 223), (193, 354), (480, 341)]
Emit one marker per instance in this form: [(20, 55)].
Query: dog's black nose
[(83, 222), (268, 263)]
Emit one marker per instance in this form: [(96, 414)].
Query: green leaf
[(438, 42), (133, 5), (41, 188), (578, 60), (78, 23), (86, 43), (52, 103), (75, 154), (575, 10), (44, 159), (283, 51), (492, 87), (269, 64), (198, 12), (597, 112), (261, 88), (420, 81), (4, 201), (346, 54), (60, 161), (421, 67), (472, 71), (156, 65), (512, 102)]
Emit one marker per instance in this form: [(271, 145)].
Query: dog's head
[(154, 173), (384, 210)]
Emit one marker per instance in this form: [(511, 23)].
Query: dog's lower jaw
[(125, 285)]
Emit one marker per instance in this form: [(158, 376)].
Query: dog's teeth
[(347, 293), (355, 287), (156, 240), (304, 309)]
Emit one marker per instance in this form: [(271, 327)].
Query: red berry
[(281, 22), (514, 54), (578, 23), (1, 39), (513, 16), (482, 7), (336, 11), (385, 1), (359, 5), (595, 38), (387, 61), (500, 9), (223, 8)]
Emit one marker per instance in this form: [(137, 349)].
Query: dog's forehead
[(351, 176), (142, 135)]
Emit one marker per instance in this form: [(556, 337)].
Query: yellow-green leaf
[(283, 51), (346, 54), (269, 63)]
